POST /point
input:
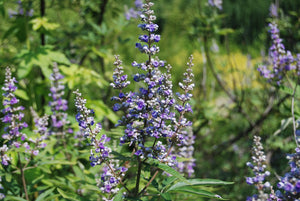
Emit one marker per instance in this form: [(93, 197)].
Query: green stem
[(155, 174), (138, 176), (23, 177)]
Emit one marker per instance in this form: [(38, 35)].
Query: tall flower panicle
[(258, 166), (216, 3), (273, 10), (58, 104), (149, 112), (120, 80), (183, 106), (282, 60), (289, 185), (99, 152), (13, 116)]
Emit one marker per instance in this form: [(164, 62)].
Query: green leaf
[(119, 196), (166, 168), (38, 178), (224, 31), (166, 196), (168, 181), (76, 75), (42, 22), (8, 177), (42, 196), (59, 57), (91, 187), (78, 172), (52, 197), (195, 182), (13, 198), (22, 94), (58, 162), (69, 196), (42, 57), (286, 89), (199, 192)]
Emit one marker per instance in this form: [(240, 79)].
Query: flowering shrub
[(154, 122), (136, 134)]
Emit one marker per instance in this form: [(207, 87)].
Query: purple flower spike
[(281, 59), (12, 118), (60, 124)]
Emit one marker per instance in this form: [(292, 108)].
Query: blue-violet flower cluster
[(149, 113), (99, 152), (289, 185)]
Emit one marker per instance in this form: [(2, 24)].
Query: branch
[(256, 124), (222, 84)]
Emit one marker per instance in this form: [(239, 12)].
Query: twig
[(293, 114)]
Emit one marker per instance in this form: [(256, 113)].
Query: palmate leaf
[(42, 57)]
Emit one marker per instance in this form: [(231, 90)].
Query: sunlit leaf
[(21, 94), (66, 195), (42, 22)]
